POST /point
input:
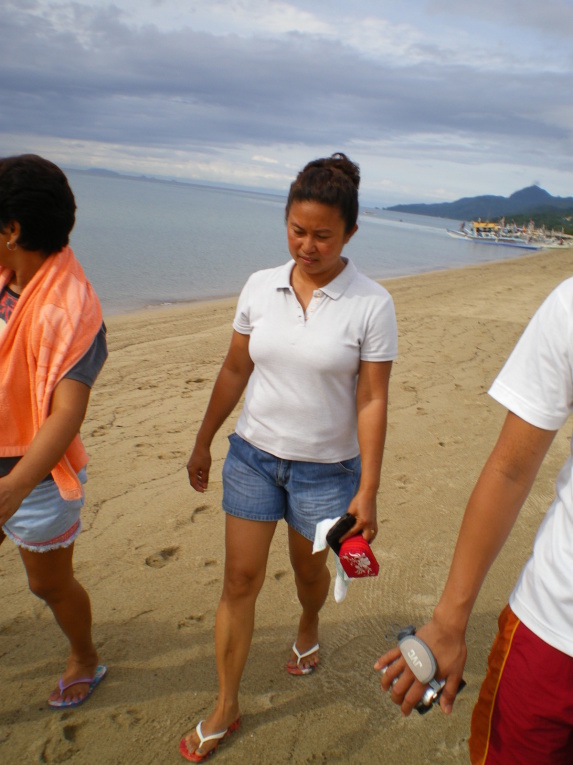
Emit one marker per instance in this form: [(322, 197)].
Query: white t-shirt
[(300, 399), (536, 384)]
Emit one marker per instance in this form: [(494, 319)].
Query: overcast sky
[(435, 99)]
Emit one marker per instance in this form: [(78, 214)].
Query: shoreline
[(183, 304), (151, 554)]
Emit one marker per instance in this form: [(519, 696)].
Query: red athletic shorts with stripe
[(524, 713)]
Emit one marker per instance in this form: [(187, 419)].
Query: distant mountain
[(528, 201)]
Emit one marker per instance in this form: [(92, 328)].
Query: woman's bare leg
[(247, 546), (51, 578), (312, 579)]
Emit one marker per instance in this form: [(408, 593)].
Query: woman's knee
[(42, 589), (242, 582), (49, 588), (308, 567), (50, 574)]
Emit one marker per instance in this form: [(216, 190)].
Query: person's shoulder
[(560, 299), (271, 276), (565, 289), (365, 286)]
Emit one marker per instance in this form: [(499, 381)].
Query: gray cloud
[(553, 17), (96, 78)]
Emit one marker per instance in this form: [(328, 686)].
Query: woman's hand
[(67, 410), (198, 468), (363, 508), (229, 386), (10, 499)]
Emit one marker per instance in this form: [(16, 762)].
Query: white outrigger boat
[(527, 238)]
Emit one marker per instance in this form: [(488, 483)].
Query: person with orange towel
[(52, 347)]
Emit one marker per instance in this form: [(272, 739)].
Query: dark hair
[(35, 193), (331, 181)]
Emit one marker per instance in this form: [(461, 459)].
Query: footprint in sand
[(190, 620), (161, 558), (127, 719), (197, 511)]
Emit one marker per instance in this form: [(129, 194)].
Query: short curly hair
[(35, 193)]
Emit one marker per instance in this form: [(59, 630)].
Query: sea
[(146, 244)]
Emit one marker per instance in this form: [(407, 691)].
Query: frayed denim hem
[(64, 540)]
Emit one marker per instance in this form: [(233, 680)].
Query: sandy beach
[(151, 555)]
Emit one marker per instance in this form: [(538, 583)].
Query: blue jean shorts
[(44, 521), (261, 487)]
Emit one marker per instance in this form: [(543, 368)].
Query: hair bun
[(340, 161)]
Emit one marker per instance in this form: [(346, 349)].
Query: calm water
[(145, 243)]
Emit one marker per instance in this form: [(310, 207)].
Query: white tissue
[(320, 543)]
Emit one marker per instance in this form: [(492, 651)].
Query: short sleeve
[(380, 340), (536, 382), (242, 320), (89, 366)]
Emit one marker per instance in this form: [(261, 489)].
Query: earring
[(11, 248)]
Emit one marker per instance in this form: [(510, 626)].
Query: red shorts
[(524, 713)]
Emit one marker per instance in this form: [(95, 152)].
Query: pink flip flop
[(218, 737)]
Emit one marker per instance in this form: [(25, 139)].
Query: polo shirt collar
[(333, 289)]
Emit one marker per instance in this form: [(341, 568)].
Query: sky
[(434, 99)]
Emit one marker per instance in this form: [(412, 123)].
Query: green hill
[(531, 203)]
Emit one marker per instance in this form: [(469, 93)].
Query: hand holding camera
[(421, 662)]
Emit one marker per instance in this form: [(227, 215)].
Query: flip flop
[(195, 756), (298, 670), (100, 673)]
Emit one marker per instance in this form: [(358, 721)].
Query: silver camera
[(431, 695)]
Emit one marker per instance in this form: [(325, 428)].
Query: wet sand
[(151, 555)]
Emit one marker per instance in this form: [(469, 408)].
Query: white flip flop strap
[(300, 656), (204, 739)]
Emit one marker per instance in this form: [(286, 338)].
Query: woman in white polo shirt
[(313, 345)]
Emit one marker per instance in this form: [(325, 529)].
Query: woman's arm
[(371, 408), (493, 507), (67, 412), (229, 386)]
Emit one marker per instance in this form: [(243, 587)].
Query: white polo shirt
[(536, 383), (300, 400)]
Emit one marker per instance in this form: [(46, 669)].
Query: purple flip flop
[(100, 673)]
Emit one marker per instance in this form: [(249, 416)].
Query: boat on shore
[(524, 238)]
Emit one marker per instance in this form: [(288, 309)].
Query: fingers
[(367, 528), (397, 678), (449, 694), (408, 698), (369, 534), (198, 476), (393, 667), (198, 481)]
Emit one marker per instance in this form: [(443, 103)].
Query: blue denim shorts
[(261, 487), (44, 521)]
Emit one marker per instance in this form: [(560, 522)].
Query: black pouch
[(339, 529)]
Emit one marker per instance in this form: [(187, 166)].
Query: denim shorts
[(261, 487), (44, 521)]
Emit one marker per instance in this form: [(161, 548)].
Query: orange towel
[(53, 325)]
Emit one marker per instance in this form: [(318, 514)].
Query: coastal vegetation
[(549, 219)]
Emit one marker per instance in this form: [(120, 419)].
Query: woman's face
[(316, 237)]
